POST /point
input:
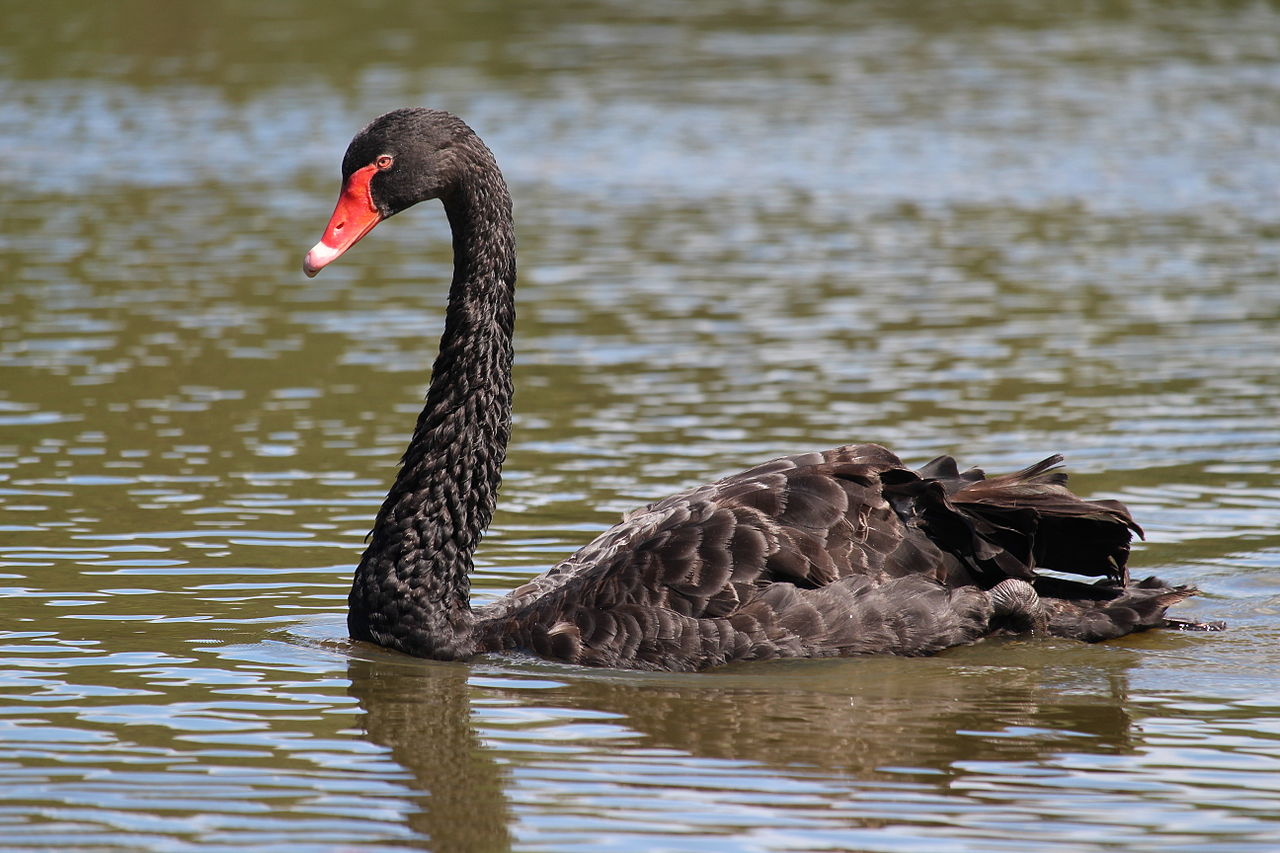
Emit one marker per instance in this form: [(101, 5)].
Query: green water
[(993, 229)]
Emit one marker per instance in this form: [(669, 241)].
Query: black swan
[(832, 552)]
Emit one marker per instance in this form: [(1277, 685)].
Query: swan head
[(397, 160)]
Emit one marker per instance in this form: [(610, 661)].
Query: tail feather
[(1136, 607), (1040, 472), (1029, 520)]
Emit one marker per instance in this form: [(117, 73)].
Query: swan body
[(836, 552)]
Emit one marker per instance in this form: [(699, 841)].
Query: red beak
[(353, 218)]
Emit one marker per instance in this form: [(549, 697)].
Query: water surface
[(989, 229)]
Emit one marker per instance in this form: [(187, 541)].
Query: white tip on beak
[(319, 256)]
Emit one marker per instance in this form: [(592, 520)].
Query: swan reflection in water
[(869, 720)]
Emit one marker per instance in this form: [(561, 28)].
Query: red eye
[(384, 161)]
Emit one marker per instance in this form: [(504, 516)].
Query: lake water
[(993, 229)]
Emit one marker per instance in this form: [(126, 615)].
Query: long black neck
[(412, 588)]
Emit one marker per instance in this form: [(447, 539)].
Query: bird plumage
[(837, 552)]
